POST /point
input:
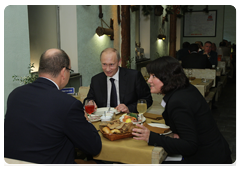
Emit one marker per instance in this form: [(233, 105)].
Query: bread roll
[(106, 130), (115, 131)]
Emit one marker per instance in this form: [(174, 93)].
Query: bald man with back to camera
[(44, 125)]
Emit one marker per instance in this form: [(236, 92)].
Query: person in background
[(44, 125), (234, 52), (214, 48), (183, 51), (212, 56), (200, 45), (195, 134), (234, 60), (195, 59), (225, 50), (130, 86), (228, 43)]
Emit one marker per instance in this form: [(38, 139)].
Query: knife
[(157, 122)]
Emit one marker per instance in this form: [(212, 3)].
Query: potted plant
[(31, 77)]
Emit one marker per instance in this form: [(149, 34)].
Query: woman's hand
[(141, 134)]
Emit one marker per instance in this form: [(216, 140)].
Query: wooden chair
[(223, 65), (228, 60), (15, 161), (83, 91), (144, 73), (156, 107)]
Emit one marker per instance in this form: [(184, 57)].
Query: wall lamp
[(107, 31), (161, 37)]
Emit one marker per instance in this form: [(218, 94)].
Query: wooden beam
[(125, 26), (173, 26)]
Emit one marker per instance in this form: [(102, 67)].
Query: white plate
[(94, 118), (159, 125), (101, 110), (143, 119)]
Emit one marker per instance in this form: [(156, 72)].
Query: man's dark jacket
[(196, 60), (132, 87), (44, 125)]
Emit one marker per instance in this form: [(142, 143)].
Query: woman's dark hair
[(170, 72), (53, 64)]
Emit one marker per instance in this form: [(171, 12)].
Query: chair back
[(156, 107), (227, 59), (144, 73), (223, 65), (82, 92)]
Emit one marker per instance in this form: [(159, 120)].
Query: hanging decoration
[(101, 30)]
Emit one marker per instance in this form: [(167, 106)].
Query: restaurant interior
[(141, 33)]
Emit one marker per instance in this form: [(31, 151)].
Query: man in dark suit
[(212, 55), (44, 125), (183, 51), (195, 59), (129, 84)]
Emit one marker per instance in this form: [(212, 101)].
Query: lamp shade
[(161, 37), (101, 31)]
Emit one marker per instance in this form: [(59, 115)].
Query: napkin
[(157, 129), (153, 116)]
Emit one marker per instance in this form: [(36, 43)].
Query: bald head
[(52, 61)]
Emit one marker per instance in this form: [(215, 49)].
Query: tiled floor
[(225, 115)]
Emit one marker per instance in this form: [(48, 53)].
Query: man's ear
[(120, 62), (62, 73)]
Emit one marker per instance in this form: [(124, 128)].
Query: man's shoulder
[(129, 71), (213, 53), (192, 55), (200, 55), (99, 75)]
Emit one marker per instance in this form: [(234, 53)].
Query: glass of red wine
[(89, 106)]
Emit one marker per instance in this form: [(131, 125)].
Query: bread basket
[(113, 137)]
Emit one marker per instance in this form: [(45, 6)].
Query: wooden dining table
[(129, 150)]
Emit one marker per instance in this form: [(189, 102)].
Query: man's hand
[(173, 135), (95, 107), (122, 108), (86, 116), (206, 53)]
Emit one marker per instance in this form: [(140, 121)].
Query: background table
[(203, 87)]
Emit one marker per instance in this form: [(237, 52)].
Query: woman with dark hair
[(195, 134)]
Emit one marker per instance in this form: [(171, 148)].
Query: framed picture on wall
[(200, 24)]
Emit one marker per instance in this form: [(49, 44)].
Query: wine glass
[(89, 106), (141, 107), (190, 74), (186, 72)]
